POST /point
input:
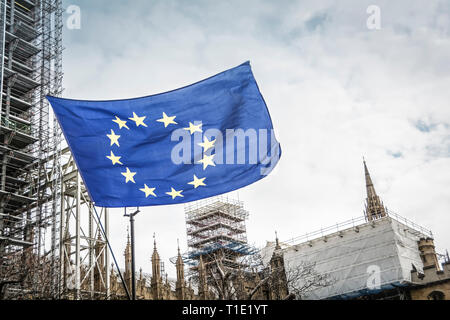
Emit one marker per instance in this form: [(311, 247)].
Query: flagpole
[(133, 271)]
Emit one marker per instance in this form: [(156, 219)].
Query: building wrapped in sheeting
[(360, 260)]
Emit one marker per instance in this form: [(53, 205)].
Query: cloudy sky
[(336, 91)]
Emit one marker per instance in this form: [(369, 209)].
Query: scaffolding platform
[(216, 230)]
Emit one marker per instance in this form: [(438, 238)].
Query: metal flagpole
[(133, 271)]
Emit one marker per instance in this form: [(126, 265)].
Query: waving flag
[(198, 141)]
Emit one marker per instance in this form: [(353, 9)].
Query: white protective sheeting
[(359, 260)]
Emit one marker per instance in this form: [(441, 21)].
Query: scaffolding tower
[(31, 68), (216, 232), (52, 240)]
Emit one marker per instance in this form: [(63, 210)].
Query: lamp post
[(133, 272)]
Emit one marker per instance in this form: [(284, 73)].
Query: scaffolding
[(31, 67), (31, 177), (216, 229), (50, 231), (84, 256)]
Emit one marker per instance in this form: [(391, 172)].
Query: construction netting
[(362, 259)]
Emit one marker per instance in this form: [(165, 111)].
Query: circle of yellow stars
[(207, 160)]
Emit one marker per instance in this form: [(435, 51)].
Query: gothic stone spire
[(374, 207), (180, 284)]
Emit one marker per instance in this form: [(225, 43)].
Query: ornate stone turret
[(202, 282), (277, 260), (374, 207), (279, 281), (181, 284), (156, 283), (428, 253), (277, 243), (127, 254)]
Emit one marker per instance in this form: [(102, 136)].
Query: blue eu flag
[(207, 138)]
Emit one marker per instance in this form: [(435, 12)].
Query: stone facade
[(156, 287), (434, 282), (159, 287)]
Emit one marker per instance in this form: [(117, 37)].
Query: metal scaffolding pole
[(2, 48), (62, 236), (107, 271), (77, 239), (91, 253)]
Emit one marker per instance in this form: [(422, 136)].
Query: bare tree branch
[(281, 282)]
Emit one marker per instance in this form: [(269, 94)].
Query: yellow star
[(129, 175), (197, 182), (121, 123), (114, 159), (207, 161), (167, 120), (114, 138), (194, 128), (174, 193), (139, 120), (206, 144), (148, 191)]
